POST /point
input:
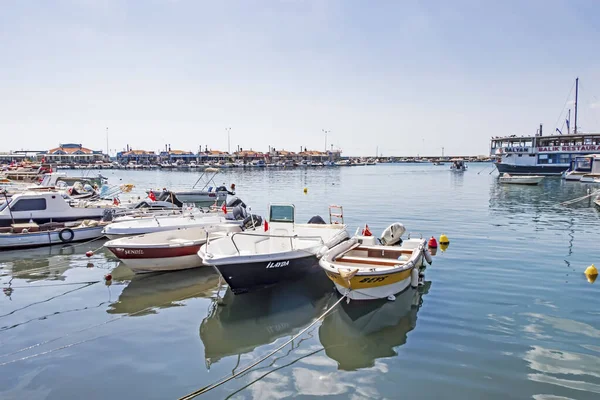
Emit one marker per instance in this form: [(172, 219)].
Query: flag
[(116, 201), (152, 196), (266, 226), (224, 208), (366, 231), (568, 124)]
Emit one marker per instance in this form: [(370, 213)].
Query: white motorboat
[(520, 179), (366, 270), (583, 166), (43, 207), (285, 251), (208, 193), (588, 169), (168, 250), (590, 178), (141, 226), (28, 235)]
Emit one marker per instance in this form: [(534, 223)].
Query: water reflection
[(45, 263), (522, 199), (239, 324), (357, 334), (147, 292)]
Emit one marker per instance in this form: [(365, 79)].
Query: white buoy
[(414, 277), (391, 297)]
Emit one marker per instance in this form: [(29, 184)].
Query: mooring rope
[(86, 329), (568, 202), (224, 380)]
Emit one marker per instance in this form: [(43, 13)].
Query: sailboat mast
[(576, 98)]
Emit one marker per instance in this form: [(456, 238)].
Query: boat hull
[(200, 197), (6, 222), (531, 169), (524, 180), (244, 276), (162, 264), (47, 238), (372, 292)]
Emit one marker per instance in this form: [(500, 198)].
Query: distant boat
[(520, 179)]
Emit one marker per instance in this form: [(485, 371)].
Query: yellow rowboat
[(368, 271)]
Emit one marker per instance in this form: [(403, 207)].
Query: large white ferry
[(543, 155)]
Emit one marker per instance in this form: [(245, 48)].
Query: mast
[(576, 95)]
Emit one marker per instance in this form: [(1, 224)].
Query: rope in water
[(224, 380), (83, 330), (568, 202)]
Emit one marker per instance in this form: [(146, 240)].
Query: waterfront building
[(137, 156), (247, 156), (72, 153), (320, 156), (177, 156)]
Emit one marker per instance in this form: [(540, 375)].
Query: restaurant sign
[(570, 149)]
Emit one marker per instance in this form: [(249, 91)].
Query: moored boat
[(285, 251), (208, 193), (365, 270), (51, 206), (29, 235), (166, 251), (520, 179)]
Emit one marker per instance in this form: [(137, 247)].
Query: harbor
[(299, 200), (482, 294)]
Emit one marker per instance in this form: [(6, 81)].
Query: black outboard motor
[(317, 220), (108, 215), (252, 221), (235, 201), (169, 196), (224, 189)]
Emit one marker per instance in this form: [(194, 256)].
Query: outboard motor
[(168, 196), (252, 221), (108, 215), (392, 234), (239, 213), (316, 220), (235, 201)]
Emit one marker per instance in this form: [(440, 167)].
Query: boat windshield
[(4, 204), (281, 214), (583, 164)]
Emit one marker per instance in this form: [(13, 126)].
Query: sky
[(399, 77)]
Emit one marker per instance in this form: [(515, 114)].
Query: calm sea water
[(506, 311)]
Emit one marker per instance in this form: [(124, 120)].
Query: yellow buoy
[(591, 271), (444, 246), (305, 190), (444, 239)]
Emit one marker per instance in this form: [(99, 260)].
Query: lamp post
[(228, 140), (325, 132)]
